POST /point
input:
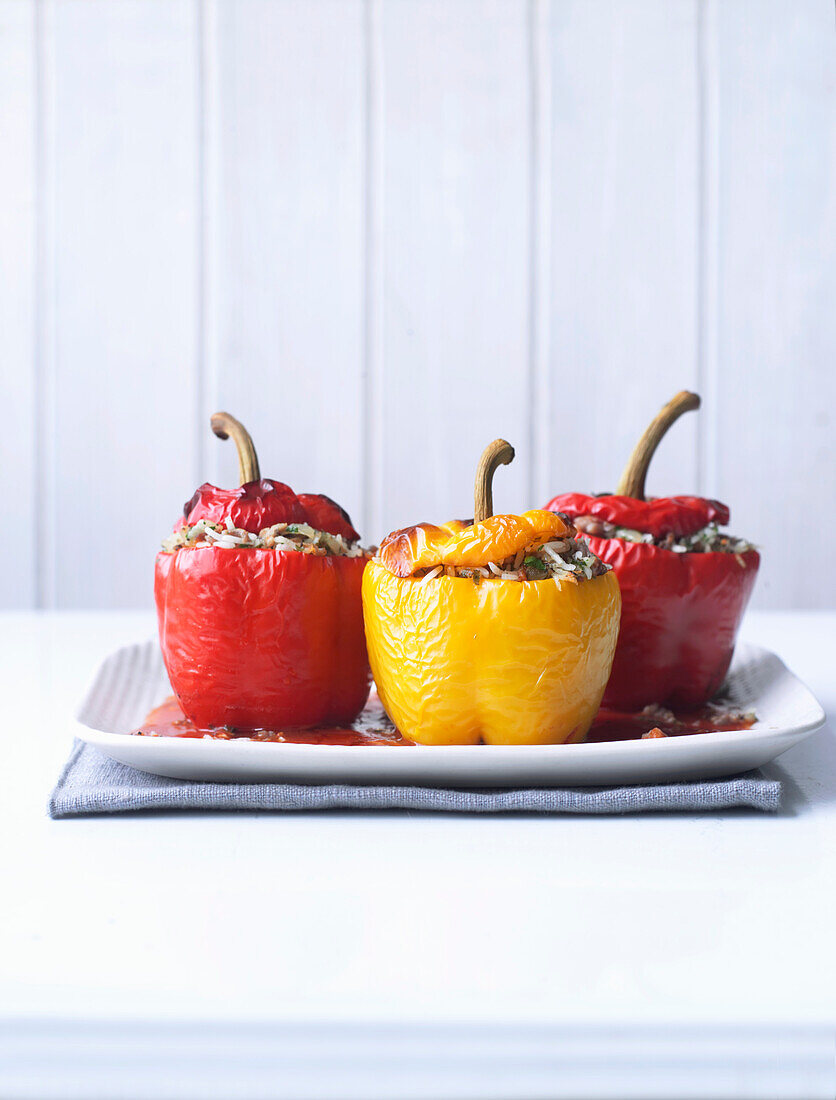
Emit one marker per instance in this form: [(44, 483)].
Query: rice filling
[(707, 540), (299, 537), (560, 559)]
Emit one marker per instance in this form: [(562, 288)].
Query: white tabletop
[(404, 954)]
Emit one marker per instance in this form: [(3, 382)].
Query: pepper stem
[(227, 427), (498, 453), (635, 472)]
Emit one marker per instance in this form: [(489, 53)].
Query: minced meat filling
[(561, 559), (281, 536), (708, 540)]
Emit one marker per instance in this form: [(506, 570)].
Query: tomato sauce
[(374, 728), (613, 725), (371, 728)]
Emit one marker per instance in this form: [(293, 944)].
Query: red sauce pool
[(371, 728), (374, 728), (612, 725)]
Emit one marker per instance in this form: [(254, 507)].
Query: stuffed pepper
[(498, 630), (684, 583), (258, 595)]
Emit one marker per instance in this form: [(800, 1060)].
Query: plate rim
[(684, 742)]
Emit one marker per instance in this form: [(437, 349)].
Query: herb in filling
[(707, 540), (299, 537), (562, 559)]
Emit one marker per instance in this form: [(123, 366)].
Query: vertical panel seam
[(372, 245), (539, 289), (200, 241), (44, 364), (36, 366), (708, 252), (206, 350)]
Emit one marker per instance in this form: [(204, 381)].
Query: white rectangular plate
[(133, 680)]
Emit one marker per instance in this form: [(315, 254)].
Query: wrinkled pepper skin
[(680, 612), (467, 544), (506, 663), (263, 639), (259, 504), (679, 620), (658, 517)]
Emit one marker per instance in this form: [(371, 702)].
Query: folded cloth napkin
[(92, 783)]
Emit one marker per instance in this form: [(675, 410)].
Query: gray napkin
[(92, 783), (133, 679)]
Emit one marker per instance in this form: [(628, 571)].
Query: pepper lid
[(627, 507), (261, 502)]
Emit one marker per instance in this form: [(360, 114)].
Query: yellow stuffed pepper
[(499, 631)]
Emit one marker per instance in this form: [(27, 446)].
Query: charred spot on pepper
[(557, 558), (485, 546)]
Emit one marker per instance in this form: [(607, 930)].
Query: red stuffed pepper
[(259, 604), (684, 584)]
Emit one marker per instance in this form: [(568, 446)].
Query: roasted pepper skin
[(467, 544), (263, 639), (658, 517), (259, 504), (680, 612), (503, 662)]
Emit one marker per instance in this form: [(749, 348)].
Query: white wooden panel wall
[(383, 232), (19, 353), (121, 111), (624, 221), (455, 193), (286, 220), (774, 400)]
